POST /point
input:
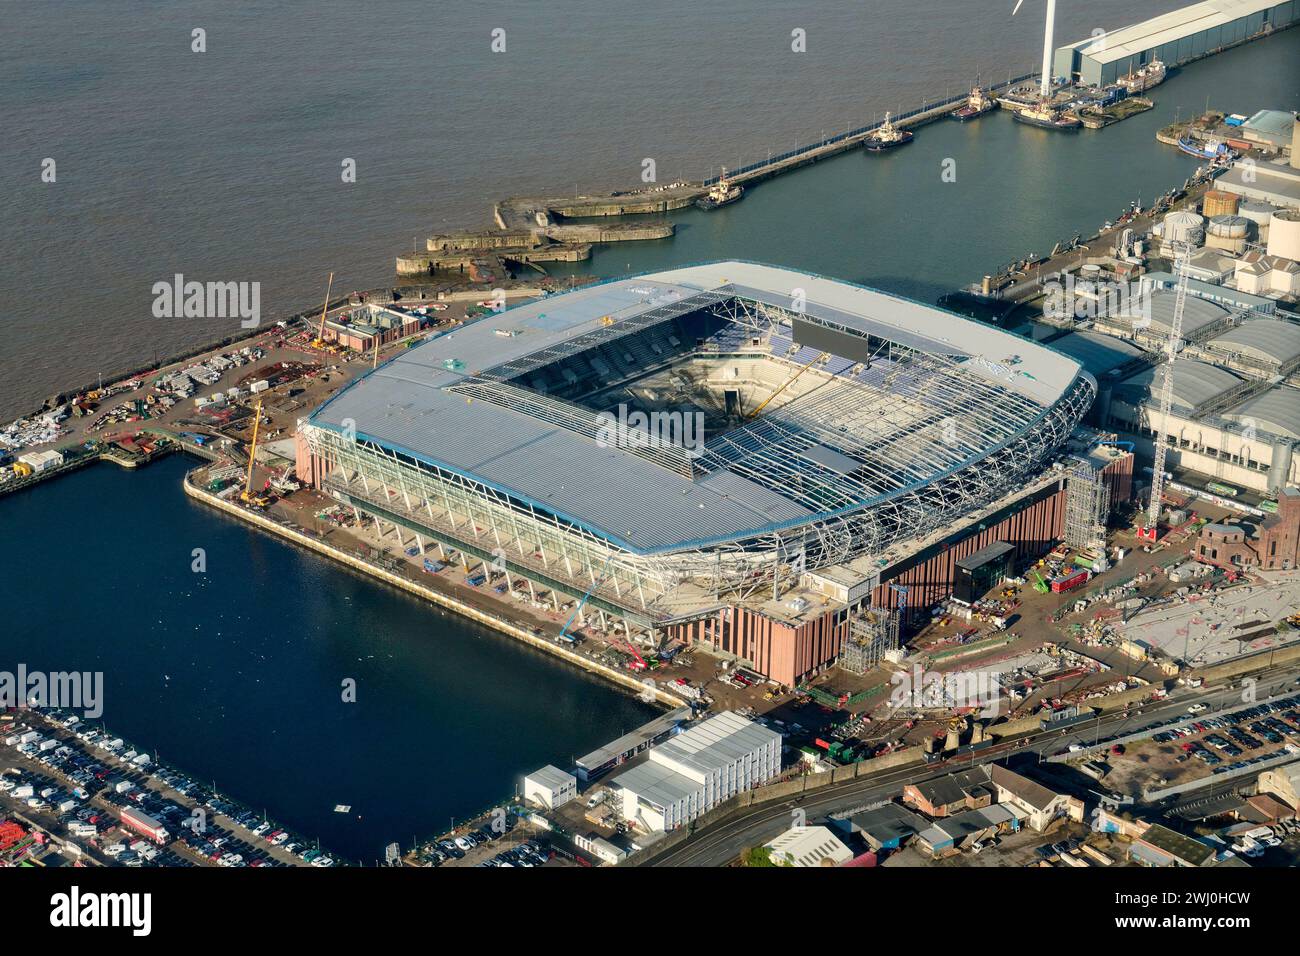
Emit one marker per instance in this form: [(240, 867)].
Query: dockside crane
[(1166, 400)]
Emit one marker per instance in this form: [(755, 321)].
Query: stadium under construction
[(764, 462)]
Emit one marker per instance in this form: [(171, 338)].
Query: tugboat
[(977, 104), (1045, 117), (722, 193), (1153, 74), (887, 136)]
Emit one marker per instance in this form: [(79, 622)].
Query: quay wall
[(614, 233), (578, 209), (626, 681)]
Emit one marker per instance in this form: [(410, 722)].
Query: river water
[(226, 165)]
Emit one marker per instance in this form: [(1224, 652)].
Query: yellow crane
[(320, 335), (784, 385), (248, 496)]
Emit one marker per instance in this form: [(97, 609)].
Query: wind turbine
[(1045, 88)]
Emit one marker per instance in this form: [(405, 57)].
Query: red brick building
[(1272, 544)]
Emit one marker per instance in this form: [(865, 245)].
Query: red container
[(1067, 582)]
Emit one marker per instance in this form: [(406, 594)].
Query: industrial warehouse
[(1173, 39), (832, 450)]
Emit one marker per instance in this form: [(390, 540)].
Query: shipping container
[(1067, 582)]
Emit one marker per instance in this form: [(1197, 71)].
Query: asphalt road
[(723, 842)]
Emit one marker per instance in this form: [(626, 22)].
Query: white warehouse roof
[(715, 743), (1264, 339), (809, 846), (1277, 412), (1194, 382), (1133, 40)]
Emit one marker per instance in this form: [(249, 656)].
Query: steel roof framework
[(932, 438)]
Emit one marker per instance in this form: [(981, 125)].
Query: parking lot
[(77, 782), (1203, 745)]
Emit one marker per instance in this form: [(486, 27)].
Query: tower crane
[(1166, 399)]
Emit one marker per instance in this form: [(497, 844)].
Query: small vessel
[(1212, 149), (721, 193), (1142, 79), (886, 136), (977, 104), (1045, 117)]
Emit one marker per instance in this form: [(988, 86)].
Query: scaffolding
[(1087, 508), (873, 632)]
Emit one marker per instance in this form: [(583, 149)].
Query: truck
[(142, 823)]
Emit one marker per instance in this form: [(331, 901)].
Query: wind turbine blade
[(1017, 9)]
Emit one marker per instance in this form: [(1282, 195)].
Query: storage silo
[(1284, 234), (1183, 226), (1228, 233), (1220, 202)]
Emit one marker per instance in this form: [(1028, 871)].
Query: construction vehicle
[(320, 334), (600, 579), (247, 496), (639, 663), (1040, 585)]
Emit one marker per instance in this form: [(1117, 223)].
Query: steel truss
[(876, 461)]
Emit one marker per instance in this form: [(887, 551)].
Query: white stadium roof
[(939, 398)]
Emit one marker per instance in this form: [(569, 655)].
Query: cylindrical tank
[(1280, 467), (952, 741), (1228, 233), (1184, 226), (1284, 234), (1229, 226), (1256, 211), (1219, 202)]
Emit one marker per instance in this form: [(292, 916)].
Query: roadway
[(722, 842)]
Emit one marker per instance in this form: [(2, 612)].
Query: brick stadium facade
[(789, 654)]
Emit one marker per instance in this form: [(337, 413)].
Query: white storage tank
[(1284, 234), (1184, 226)]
